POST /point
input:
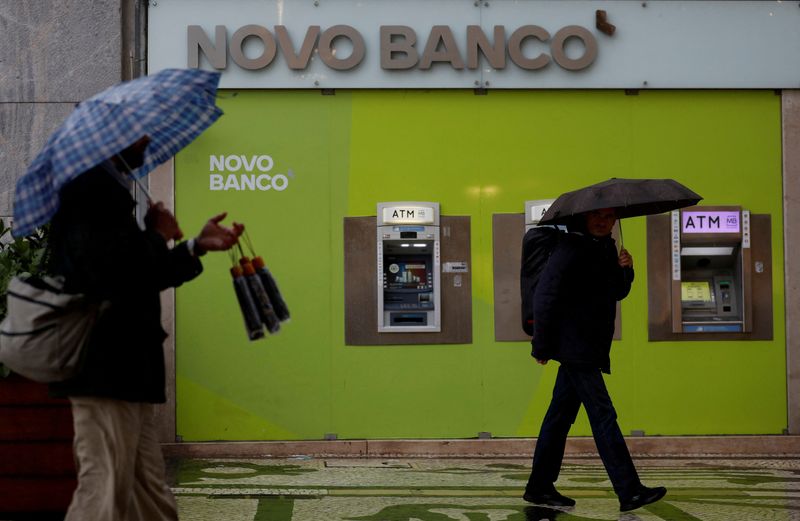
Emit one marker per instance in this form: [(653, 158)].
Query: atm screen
[(696, 293), (408, 273)]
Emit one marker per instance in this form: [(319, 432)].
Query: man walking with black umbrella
[(574, 312)]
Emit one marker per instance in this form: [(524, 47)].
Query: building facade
[(329, 110)]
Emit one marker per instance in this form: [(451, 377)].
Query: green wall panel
[(476, 156)]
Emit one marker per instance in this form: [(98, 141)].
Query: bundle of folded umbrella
[(260, 300)]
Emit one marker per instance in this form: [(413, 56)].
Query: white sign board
[(710, 222), (408, 215), (534, 210), (496, 44)]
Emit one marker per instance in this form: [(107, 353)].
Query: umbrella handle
[(134, 178)]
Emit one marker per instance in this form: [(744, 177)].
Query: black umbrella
[(629, 197), (252, 320), (280, 310)]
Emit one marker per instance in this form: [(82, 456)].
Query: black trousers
[(576, 385)]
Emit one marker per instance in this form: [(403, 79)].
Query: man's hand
[(161, 221), (625, 260), (541, 361), (215, 237)]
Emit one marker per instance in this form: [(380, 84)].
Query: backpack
[(537, 246)]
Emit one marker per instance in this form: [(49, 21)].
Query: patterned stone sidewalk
[(303, 489)]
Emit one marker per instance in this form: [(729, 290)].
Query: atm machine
[(710, 285), (408, 267), (534, 210)]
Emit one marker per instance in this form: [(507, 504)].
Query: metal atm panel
[(666, 303), (408, 267), (710, 285)]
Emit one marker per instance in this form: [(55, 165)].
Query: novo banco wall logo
[(241, 172)]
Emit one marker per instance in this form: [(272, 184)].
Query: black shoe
[(645, 496), (552, 498)]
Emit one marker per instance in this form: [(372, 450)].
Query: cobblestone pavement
[(302, 489)]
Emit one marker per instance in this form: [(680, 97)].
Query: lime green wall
[(476, 155)]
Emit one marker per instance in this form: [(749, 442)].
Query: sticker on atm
[(695, 291)]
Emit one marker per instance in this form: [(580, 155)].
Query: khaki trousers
[(121, 474)]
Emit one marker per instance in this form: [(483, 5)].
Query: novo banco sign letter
[(401, 48)]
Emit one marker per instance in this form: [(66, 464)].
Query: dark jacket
[(575, 301), (97, 245)]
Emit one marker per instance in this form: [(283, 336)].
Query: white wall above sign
[(505, 44)]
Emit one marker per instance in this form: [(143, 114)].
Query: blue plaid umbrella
[(172, 107)]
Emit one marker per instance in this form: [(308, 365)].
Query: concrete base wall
[(667, 446)]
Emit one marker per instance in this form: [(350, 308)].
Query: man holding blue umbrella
[(81, 181)]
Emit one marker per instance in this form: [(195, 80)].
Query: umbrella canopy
[(629, 197), (172, 107)]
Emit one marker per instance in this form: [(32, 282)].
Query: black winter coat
[(575, 301), (97, 245)]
